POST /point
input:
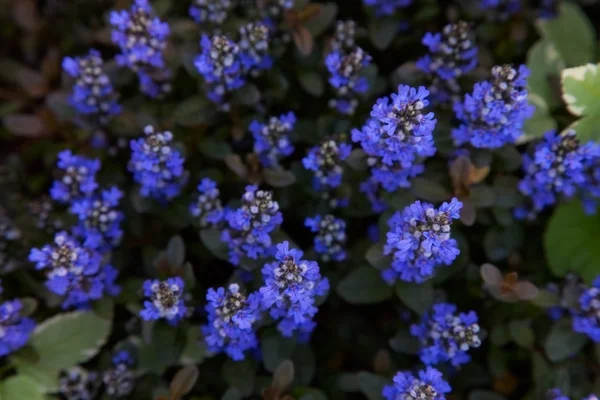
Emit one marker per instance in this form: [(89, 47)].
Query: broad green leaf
[(405, 343), (485, 395), (571, 242), (371, 385), (562, 342), (382, 31), (581, 89), (587, 128), (417, 297), (304, 364), (194, 351), (193, 111), (545, 65), (429, 190), (522, 333), (571, 33), (311, 82), (176, 251), (376, 258), (21, 387), (319, 24), (211, 238), (64, 341), (540, 123), (240, 375), (364, 285), (164, 350), (276, 349)]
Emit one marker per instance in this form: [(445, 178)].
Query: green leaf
[(581, 89), (571, 242), (319, 24), (416, 296), (545, 64), (540, 123), (364, 285), (248, 95), (430, 190), (215, 149), (194, 351), (371, 385), (240, 375), (211, 238), (587, 128), (276, 349), (311, 82), (382, 31), (164, 351), (64, 341), (313, 394), (562, 342), (176, 251), (304, 363), (521, 333), (405, 343), (278, 177), (572, 33), (21, 387), (485, 395), (193, 111), (376, 258)]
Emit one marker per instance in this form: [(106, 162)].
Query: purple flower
[(207, 209), (345, 70), (120, 379), (386, 7), (78, 177), (330, 240), (586, 319), (428, 385), (344, 37), (78, 384), (165, 300), (326, 162), (254, 48), (15, 328), (271, 140), (502, 9), (211, 11), (10, 243)]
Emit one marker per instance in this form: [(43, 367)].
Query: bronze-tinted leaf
[(283, 376), (525, 290), (303, 40), (183, 381), (51, 64), (25, 14), (468, 213), (459, 173), (31, 81), (25, 125), (491, 275), (382, 362), (279, 177), (234, 162)]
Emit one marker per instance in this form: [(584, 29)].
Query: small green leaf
[(581, 89), (211, 238), (485, 395), (376, 258), (313, 394), (304, 363), (587, 128), (319, 24), (278, 177), (364, 285), (183, 382), (521, 333), (571, 241), (562, 342), (215, 149), (164, 351), (248, 95), (194, 351), (382, 31), (405, 343), (276, 349), (545, 64), (240, 375), (416, 296), (21, 387), (311, 82), (176, 251), (540, 123), (429, 190), (371, 385), (193, 111), (571, 32)]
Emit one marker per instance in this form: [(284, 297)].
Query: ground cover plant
[(294, 199)]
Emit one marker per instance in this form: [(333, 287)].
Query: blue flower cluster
[(165, 300), (586, 318), (494, 114), (271, 140), (74, 271), (254, 48), (207, 210), (446, 335), (10, 236), (211, 11), (548, 9), (386, 7), (502, 8), (15, 328), (156, 165), (78, 384), (559, 167), (419, 240), (142, 39), (557, 394), (326, 162), (220, 65), (231, 316), (120, 379), (397, 137), (291, 286), (248, 231), (330, 240), (99, 219), (77, 177), (46, 220), (429, 384), (345, 36), (93, 94), (345, 69)]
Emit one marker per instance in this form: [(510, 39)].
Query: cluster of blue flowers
[(78, 384), (291, 286), (494, 114), (419, 240), (452, 55), (77, 177), (93, 94), (165, 300), (74, 271), (120, 379), (207, 210), (330, 240), (156, 165), (429, 384), (397, 137), (502, 9), (211, 11), (231, 316), (9, 240), (387, 7), (557, 394), (271, 140), (560, 166), (15, 328), (254, 48), (248, 231), (142, 39), (586, 317), (325, 160), (447, 335), (46, 220)]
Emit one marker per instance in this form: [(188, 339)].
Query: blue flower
[(372, 191), (386, 7), (10, 241), (231, 316), (548, 9), (15, 329), (428, 385), (289, 292), (330, 240), (142, 39), (78, 384), (557, 168), (78, 177), (207, 210), (165, 300), (502, 8), (419, 240), (254, 48), (447, 335), (45, 219), (326, 161), (344, 36), (249, 227), (586, 319), (494, 114), (555, 394), (156, 165), (93, 94), (210, 11), (271, 140), (120, 379), (76, 272), (99, 219), (220, 65), (345, 70)]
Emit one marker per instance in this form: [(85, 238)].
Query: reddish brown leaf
[(468, 213), (51, 64), (526, 290), (303, 40), (491, 275), (477, 175), (25, 14), (183, 381), (31, 81), (459, 172), (309, 12), (234, 162), (382, 362), (25, 125)]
